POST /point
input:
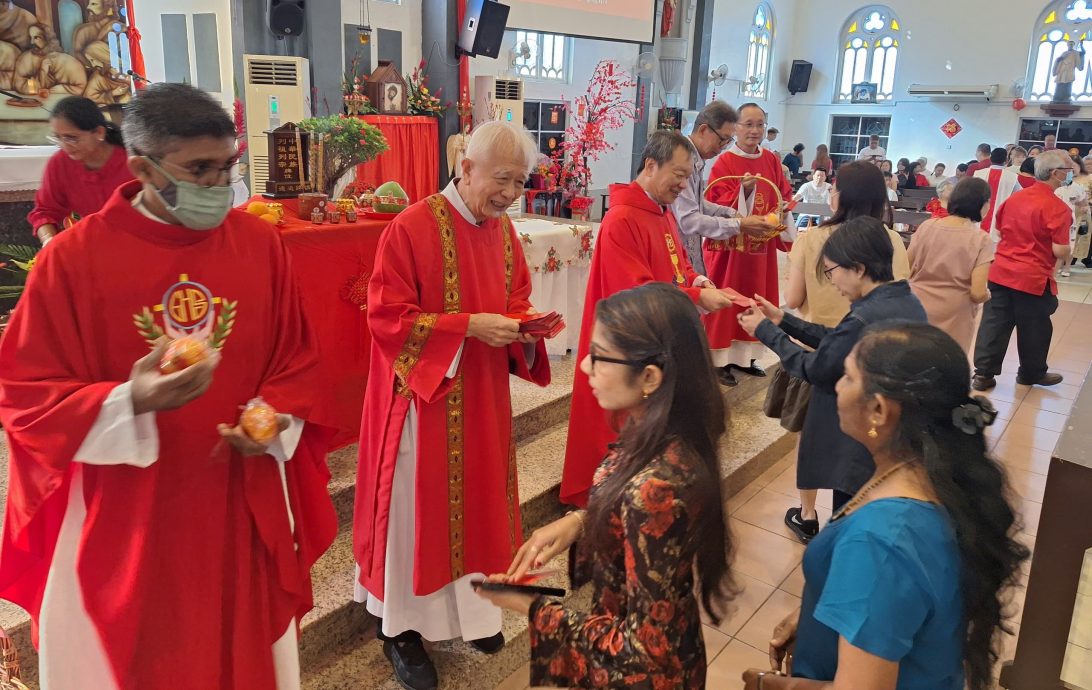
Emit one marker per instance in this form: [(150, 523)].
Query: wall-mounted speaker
[(285, 17), (799, 76), (483, 27)]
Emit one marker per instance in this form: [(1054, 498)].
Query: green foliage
[(348, 142)]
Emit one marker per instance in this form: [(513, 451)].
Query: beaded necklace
[(859, 497)]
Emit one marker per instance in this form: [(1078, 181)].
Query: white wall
[(612, 166), (937, 31), (404, 17), (148, 13), (732, 29)]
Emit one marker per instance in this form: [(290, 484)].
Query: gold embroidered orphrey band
[(454, 399)]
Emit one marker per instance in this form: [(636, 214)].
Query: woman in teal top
[(904, 590)]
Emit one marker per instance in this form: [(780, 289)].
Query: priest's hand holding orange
[(756, 226), (153, 391), (244, 444), (495, 330)]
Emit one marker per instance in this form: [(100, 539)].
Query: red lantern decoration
[(1019, 104)]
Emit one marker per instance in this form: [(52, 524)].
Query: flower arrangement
[(20, 262), (340, 143), (419, 99), (603, 107), (239, 115), (352, 90)]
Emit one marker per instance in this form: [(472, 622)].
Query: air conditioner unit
[(498, 98), (277, 91), (985, 92)]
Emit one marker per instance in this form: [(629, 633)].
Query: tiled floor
[(767, 561)]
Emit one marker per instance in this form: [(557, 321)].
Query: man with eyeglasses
[(744, 263), (638, 243), (714, 130), (150, 538), (1034, 229)]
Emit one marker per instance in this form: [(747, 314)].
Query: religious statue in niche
[(55, 48), (1065, 68), (670, 6)]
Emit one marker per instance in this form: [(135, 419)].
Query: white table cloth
[(558, 254), (22, 167)]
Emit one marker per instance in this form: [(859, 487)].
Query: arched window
[(759, 52), (869, 50), (1060, 23)]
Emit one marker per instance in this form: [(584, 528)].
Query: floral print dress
[(643, 630)]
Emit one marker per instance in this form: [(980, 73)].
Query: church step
[(533, 409), (334, 656)]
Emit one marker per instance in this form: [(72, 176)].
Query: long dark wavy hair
[(861, 192), (926, 371), (656, 322)]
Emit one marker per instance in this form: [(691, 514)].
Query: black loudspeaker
[(285, 17), (483, 28), (800, 76)]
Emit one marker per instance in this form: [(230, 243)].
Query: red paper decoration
[(1019, 104), (951, 128)]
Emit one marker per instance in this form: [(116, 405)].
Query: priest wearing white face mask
[(118, 468)]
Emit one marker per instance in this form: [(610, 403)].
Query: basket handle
[(760, 178)]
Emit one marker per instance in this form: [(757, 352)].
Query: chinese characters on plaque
[(288, 163)]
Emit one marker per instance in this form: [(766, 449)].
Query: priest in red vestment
[(155, 545), (744, 264), (436, 496), (638, 243)]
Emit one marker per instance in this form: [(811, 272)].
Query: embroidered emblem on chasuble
[(188, 308)]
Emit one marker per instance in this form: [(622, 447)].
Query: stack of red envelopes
[(540, 325)]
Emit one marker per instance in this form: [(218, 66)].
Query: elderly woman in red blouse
[(80, 177)]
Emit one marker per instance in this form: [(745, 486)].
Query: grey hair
[(945, 184), (716, 115), (163, 113), (502, 141), (1049, 161), (661, 147)]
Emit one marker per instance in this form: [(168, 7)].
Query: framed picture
[(864, 92)]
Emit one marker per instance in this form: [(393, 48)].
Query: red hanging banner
[(136, 55)]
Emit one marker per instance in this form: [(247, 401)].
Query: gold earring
[(644, 396), (872, 433)]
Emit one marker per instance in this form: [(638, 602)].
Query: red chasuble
[(187, 567), (638, 243), (754, 268), (433, 270)]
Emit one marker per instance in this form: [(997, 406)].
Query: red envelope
[(737, 299)]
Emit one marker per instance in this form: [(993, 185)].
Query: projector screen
[(614, 20)]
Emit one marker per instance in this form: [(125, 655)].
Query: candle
[(31, 88)]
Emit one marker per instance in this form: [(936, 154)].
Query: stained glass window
[(1060, 23), (759, 52), (869, 52)]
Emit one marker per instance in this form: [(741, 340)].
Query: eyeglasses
[(63, 139), (654, 359), (829, 271), (204, 175), (724, 141), (752, 125)]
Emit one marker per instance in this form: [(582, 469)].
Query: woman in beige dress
[(950, 262)]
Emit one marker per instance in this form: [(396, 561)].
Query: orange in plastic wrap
[(259, 421), (183, 353), (773, 218)]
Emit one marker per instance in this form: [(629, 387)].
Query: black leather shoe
[(1047, 380), (412, 667), (753, 370), (724, 375), (489, 645), (981, 382)]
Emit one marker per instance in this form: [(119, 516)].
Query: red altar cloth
[(413, 160), (332, 264)]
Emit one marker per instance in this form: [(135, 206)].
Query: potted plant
[(339, 144)]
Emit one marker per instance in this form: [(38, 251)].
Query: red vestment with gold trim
[(433, 270)]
